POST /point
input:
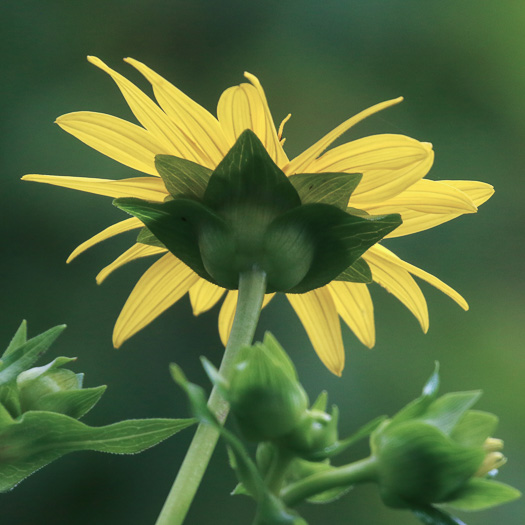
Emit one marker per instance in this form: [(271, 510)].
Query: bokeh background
[(460, 67)]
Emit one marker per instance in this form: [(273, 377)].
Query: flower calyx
[(247, 213)]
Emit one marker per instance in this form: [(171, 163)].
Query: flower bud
[(265, 396)]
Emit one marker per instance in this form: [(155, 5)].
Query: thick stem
[(252, 286), (358, 472)]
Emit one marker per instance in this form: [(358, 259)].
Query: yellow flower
[(393, 168)]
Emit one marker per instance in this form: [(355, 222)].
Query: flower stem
[(252, 286), (358, 472)]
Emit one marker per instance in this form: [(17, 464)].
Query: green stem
[(275, 476), (358, 472), (252, 286)]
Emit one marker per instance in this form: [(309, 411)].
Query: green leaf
[(24, 356), (359, 272), (37, 438), (431, 516), (446, 411), (474, 428), (18, 340), (247, 176), (481, 494), (182, 177), (339, 239), (328, 188), (146, 237)]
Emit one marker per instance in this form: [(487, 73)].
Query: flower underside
[(178, 131)]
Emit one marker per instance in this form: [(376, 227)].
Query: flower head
[(393, 168)]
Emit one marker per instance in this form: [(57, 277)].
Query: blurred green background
[(460, 67)]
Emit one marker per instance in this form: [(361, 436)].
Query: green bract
[(432, 452), (248, 214), (39, 408)]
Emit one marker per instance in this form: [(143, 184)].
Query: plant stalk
[(252, 287), (358, 472)]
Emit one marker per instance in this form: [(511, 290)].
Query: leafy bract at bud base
[(247, 213)]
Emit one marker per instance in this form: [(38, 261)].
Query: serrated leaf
[(37, 438), (359, 272), (24, 356), (432, 516), (328, 188), (182, 177), (481, 494), (18, 340)]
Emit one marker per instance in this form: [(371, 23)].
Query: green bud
[(265, 396), (434, 451), (315, 435)]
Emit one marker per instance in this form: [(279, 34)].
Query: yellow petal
[(479, 192), (418, 272), (317, 312), (146, 188), (354, 305), (227, 313), (199, 126), (166, 133), (114, 229), (302, 162), (389, 163), (241, 108), (273, 140), (204, 295), (429, 196), (163, 284), (135, 252), (122, 141), (400, 283), (416, 221)]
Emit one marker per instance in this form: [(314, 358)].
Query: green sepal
[(359, 272), (72, 403), (37, 438), (321, 402), (338, 239), (481, 494), (18, 339), (247, 176), (176, 224), (5, 416), (327, 188), (10, 399), (432, 516), (445, 412), (21, 358), (474, 427), (182, 178), (146, 237)]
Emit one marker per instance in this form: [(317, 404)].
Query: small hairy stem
[(358, 472), (275, 476), (252, 286)]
